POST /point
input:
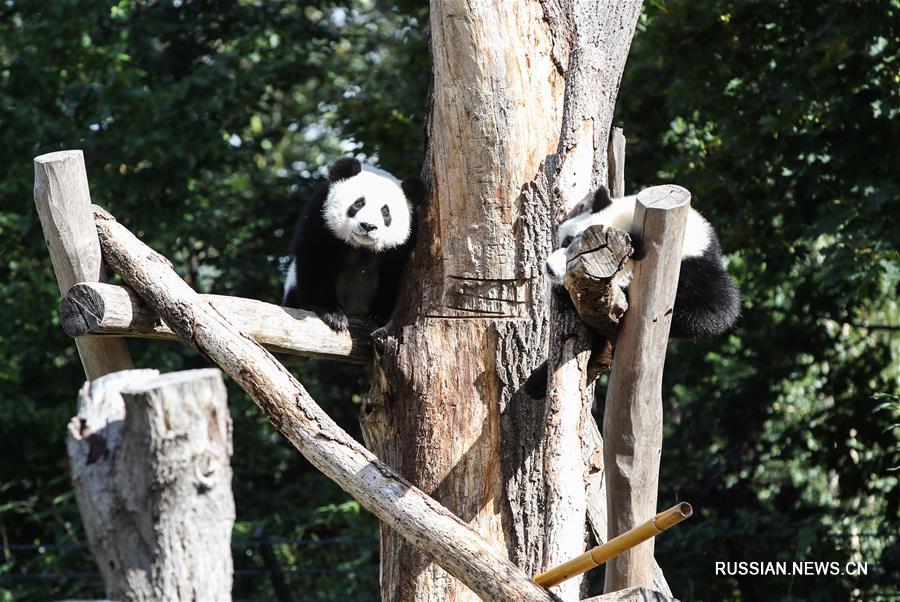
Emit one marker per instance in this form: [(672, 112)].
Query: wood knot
[(205, 469)]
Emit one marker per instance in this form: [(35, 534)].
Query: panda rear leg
[(707, 302), (335, 318)]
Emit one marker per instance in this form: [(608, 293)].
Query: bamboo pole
[(602, 553)]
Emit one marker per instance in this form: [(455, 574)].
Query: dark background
[(205, 124)]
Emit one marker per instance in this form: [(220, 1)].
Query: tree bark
[(63, 202), (520, 117), (150, 460)]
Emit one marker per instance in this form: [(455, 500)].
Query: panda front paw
[(334, 318)]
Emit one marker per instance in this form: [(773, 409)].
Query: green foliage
[(204, 125), (783, 118)]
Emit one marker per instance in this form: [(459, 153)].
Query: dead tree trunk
[(150, 459), (520, 117)]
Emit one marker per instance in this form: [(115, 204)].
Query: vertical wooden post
[(63, 203), (632, 425)]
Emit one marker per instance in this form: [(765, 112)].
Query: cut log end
[(58, 156), (665, 197), (596, 274), (81, 311)]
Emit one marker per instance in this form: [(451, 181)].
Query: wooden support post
[(596, 291), (150, 460), (632, 425), (104, 310), (395, 501), (63, 203)]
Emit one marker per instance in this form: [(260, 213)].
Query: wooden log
[(150, 461), (616, 157), (601, 360), (632, 424), (633, 594), (105, 309), (596, 277), (63, 203), (397, 503)]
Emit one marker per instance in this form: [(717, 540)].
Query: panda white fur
[(707, 302), (351, 243)]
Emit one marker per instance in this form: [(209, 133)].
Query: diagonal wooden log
[(107, 310), (419, 519)]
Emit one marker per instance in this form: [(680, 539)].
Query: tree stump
[(150, 459)]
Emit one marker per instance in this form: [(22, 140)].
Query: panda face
[(368, 210)]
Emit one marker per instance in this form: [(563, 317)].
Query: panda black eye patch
[(356, 206), (386, 214)]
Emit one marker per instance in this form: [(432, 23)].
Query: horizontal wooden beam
[(91, 308)]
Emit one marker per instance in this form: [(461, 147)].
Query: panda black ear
[(601, 200), (415, 190), (343, 169)]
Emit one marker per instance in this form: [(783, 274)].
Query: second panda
[(707, 301), (351, 243)]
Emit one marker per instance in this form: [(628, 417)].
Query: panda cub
[(351, 243), (707, 301)]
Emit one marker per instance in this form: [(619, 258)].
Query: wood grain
[(632, 424), (63, 203), (596, 276), (616, 157)]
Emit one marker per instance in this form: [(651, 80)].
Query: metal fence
[(283, 569)]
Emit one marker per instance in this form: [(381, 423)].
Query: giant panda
[(351, 243), (707, 301)]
